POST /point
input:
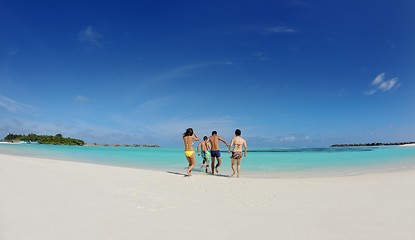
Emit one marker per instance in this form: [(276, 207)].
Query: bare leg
[(233, 167), (213, 165), (239, 166), (218, 165), (192, 163)]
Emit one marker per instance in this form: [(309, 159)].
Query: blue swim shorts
[(215, 153)]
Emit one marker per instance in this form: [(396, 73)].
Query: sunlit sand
[(51, 199)]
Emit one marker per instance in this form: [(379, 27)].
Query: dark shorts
[(236, 155), (215, 153)]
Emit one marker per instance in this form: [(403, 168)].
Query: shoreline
[(317, 171), (54, 199), (225, 171)]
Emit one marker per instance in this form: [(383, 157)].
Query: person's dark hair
[(214, 133), (238, 132), (189, 132), (205, 138)]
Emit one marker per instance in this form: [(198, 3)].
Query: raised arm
[(195, 137)]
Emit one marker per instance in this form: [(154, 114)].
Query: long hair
[(189, 132)]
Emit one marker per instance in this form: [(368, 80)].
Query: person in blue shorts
[(215, 150)]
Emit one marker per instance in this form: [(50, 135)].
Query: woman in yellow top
[(188, 137)]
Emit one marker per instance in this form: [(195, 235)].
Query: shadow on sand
[(195, 170)]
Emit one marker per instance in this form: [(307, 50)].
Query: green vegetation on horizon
[(58, 139)]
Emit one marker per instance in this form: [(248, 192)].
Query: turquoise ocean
[(260, 162)]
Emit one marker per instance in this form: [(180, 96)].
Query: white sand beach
[(51, 199), (408, 145)]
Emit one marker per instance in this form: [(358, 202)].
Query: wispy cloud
[(303, 4), (90, 37), (88, 132), (269, 29), (288, 139), (175, 127), (14, 106), (279, 29), (179, 72), (154, 104), (293, 138), (383, 85), (81, 99), (342, 93), (12, 52), (261, 56)]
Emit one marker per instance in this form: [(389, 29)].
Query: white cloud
[(388, 85), (371, 92), (90, 37), (379, 79), (381, 84), (14, 106)]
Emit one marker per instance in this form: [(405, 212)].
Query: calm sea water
[(260, 162)]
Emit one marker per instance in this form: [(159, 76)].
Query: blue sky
[(287, 73)]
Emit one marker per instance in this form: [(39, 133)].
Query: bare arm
[(221, 139), (198, 148), (195, 137), (230, 145), (246, 148)]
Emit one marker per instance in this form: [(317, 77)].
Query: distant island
[(58, 139), (372, 144)]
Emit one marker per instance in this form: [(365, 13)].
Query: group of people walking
[(210, 149)]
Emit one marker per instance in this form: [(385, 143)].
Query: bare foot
[(233, 174), (216, 170)]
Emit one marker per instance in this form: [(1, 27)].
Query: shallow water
[(260, 162)]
